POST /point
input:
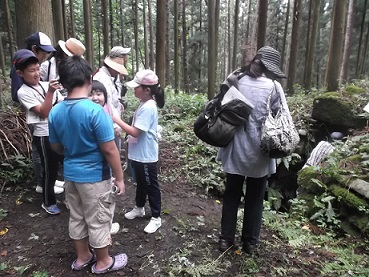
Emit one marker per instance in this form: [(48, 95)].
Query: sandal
[(119, 262), (80, 267)]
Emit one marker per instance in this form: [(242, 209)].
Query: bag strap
[(270, 97), (232, 80)]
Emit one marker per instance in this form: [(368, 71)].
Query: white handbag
[(279, 136)]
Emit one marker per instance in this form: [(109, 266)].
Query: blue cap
[(23, 55), (42, 41)]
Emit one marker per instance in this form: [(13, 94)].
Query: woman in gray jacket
[(243, 157)]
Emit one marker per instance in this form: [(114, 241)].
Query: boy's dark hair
[(98, 86), (22, 66), (23, 58), (158, 92), (74, 72)]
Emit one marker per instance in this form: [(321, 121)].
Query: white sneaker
[(136, 212), (57, 190), (153, 225), (59, 184), (114, 228)]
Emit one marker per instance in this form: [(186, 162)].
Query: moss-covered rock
[(334, 109), (352, 90), (361, 222), (305, 179), (348, 198)]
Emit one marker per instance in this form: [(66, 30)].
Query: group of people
[(75, 117), (84, 125)]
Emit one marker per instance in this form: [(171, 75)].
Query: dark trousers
[(253, 208), (49, 162), (147, 186)]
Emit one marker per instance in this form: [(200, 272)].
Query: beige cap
[(72, 47), (117, 64)]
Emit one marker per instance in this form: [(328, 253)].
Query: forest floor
[(37, 244)]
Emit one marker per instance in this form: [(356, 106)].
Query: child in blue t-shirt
[(143, 149)]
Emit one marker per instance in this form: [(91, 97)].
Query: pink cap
[(145, 77)]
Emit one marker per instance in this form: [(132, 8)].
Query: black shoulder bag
[(217, 123)]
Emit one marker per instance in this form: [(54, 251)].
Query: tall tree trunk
[(212, 48), (362, 67), (235, 35), (57, 10), (161, 29), (33, 20), (285, 34), (88, 32), (105, 16), (200, 46), (308, 38), (167, 51), (294, 47), (111, 19), (361, 39), (151, 39), (137, 50), (217, 11), (335, 45), (146, 41), (229, 37), (121, 22), (184, 47), (246, 44), (65, 19), (346, 49), (262, 23), (2, 62), (176, 45), (9, 27), (312, 46), (72, 19)]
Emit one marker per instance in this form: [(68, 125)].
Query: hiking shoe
[(153, 225), (59, 184), (57, 190), (52, 209), (136, 212)]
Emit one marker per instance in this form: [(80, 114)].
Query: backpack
[(217, 123)]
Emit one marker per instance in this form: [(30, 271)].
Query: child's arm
[(44, 109), (130, 130), (111, 154)]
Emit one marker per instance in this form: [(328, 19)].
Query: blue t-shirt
[(80, 125), (145, 147)]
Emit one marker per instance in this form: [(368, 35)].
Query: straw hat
[(72, 47), (117, 64), (271, 59)]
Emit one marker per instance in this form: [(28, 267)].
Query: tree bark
[(262, 23), (176, 44), (212, 48), (348, 35), (137, 50), (57, 10), (88, 32), (335, 45), (229, 37), (151, 39), (312, 45), (246, 44), (235, 35), (2, 62), (285, 35), (72, 19), (184, 47), (105, 15), (360, 39), (167, 51), (38, 17), (9, 27), (65, 19), (294, 47), (161, 29), (146, 41)]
